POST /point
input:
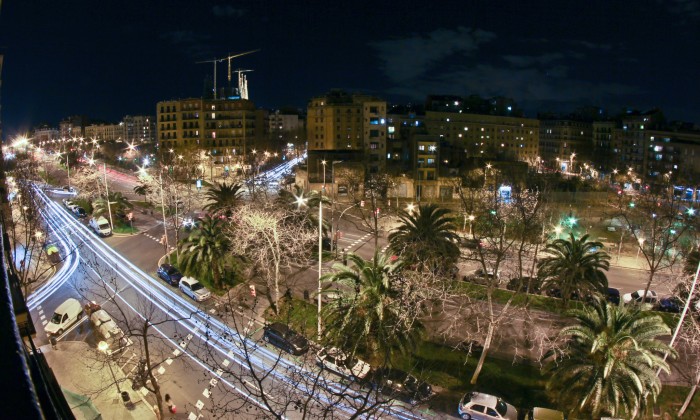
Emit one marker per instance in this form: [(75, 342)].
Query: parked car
[(475, 405), (67, 314), (638, 297), (401, 386), (670, 304), (479, 276), (539, 413), (68, 203), (283, 337), (471, 243), (194, 289), (107, 329), (613, 295), (341, 363), (522, 284), (100, 226), (170, 274), (79, 212)]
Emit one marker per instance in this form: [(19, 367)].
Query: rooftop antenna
[(219, 60)]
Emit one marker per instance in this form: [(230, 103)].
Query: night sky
[(106, 59)]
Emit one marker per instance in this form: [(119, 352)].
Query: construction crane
[(219, 60)]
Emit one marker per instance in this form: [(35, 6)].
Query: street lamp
[(103, 347), (471, 218), (333, 234), (320, 253), (109, 203)]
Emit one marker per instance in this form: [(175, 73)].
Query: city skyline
[(123, 59)]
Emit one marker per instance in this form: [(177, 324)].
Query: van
[(100, 226), (67, 314)]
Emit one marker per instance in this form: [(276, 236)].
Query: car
[(476, 405), (68, 203), (339, 362), (66, 188), (540, 413), (522, 284), (107, 329), (485, 278), (170, 274), (194, 289), (613, 295), (671, 304), (638, 297), (471, 243), (66, 314), (100, 226), (283, 337), (400, 385), (79, 211)]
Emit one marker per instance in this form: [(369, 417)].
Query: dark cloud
[(684, 8), (227, 11), (535, 78), (192, 44), (404, 59), (528, 61)]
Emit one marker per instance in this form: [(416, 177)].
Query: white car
[(68, 203), (109, 331), (475, 405), (341, 363), (638, 297), (100, 226), (194, 289)]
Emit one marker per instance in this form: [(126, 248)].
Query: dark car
[(670, 304), (613, 295), (170, 274), (79, 212), (401, 385), (283, 337), (471, 243), (531, 285)]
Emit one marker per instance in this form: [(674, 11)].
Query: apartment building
[(227, 130), (342, 122)]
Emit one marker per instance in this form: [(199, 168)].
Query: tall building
[(73, 127), (225, 129), (342, 122), (138, 129), (465, 135), (45, 134), (564, 141)]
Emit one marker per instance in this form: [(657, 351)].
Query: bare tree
[(140, 319), (660, 226), (274, 241)]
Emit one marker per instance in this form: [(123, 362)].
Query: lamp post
[(333, 234), (102, 346), (320, 256), (162, 205), (641, 243), (573, 155), (471, 218), (109, 203)]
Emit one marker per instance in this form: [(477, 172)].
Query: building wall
[(340, 121), (516, 137), (223, 128), (562, 138)]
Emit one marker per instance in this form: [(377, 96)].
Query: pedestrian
[(171, 405)]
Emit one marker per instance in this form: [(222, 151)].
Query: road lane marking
[(227, 362), (176, 352), (199, 405), (169, 361), (161, 370), (206, 392), (213, 382)]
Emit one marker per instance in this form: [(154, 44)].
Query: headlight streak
[(171, 303)]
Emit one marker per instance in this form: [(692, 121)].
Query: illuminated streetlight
[(103, 347)]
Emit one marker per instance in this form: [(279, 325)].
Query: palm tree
[(144, 190), (205, 250), (426, 238), (610, 360), (368, 311), (575, 267), (223, 198), (118, 203)]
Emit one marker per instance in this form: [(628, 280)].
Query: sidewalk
[(81, 374)]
